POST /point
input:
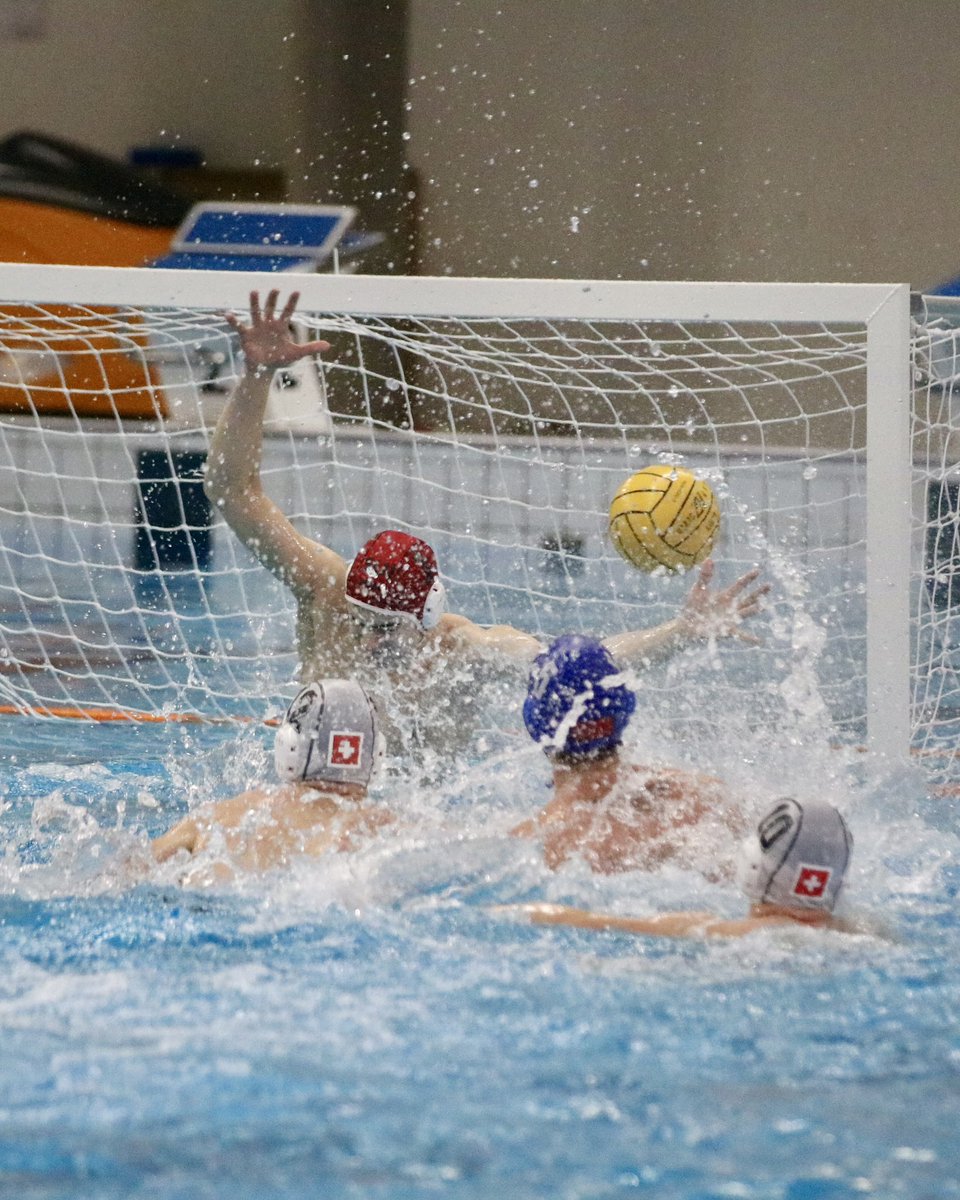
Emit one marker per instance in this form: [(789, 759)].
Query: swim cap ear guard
[(329, 734), (577, 703), (394, 577), (798, 856)]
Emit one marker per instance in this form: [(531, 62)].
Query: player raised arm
[(706, 613), (233, 465)]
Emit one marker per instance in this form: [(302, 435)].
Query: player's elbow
[(214, 480), (182, 837), (165, 848), (229, 496)]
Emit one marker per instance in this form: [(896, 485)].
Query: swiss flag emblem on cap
[(812, 881), (345, 749)]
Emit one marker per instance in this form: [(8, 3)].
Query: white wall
[(754, 139), (113, 73), (299, 85), (757, 139)]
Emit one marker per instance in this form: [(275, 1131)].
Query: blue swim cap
[(575, 701)]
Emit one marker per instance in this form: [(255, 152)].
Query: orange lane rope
[(77, 713)]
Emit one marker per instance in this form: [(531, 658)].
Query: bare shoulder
[(676, 777), (526, 829), (345, 832), (460, 632), (233, 812), (694, 791)]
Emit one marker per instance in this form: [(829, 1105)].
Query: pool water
[(369, 1026)]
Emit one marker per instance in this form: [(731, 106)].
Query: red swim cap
[(396, 573)]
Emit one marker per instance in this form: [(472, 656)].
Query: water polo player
[(614, 813), (327, 749), (792, 870)]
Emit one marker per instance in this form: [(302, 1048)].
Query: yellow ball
[(664, 516)]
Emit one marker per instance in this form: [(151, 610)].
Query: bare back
[(618, 817), (265, 829)]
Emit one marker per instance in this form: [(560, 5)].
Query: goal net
[(495, 418), (935, 597)]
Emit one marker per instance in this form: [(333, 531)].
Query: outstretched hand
[(707, 613), (267, 341)]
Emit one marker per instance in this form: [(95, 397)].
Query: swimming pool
[(371, 1028)]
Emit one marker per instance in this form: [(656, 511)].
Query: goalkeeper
[(384, 613)]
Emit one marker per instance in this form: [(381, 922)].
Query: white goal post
[(493, 416)]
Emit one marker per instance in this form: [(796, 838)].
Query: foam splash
[(83, 828)]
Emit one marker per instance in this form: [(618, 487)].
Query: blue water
[(368, 1026)]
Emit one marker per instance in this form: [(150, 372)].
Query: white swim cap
[(798, 856), (329, 734)]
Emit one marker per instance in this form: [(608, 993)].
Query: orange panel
[(93, 376), (43, 233)]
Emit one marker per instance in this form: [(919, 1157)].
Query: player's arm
[(461, 633), (676, 924), (193, 833), (673, 924), (233, 465), (183, 836), (706, 613)]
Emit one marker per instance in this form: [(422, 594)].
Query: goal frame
[(883, 308)]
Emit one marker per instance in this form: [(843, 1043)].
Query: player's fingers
[(232, 320), (290, 306), (701, 584), (318, 347), (255, 311), (750, 605), (750, 639), (270, 308), (755, 599), (743, 582)]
